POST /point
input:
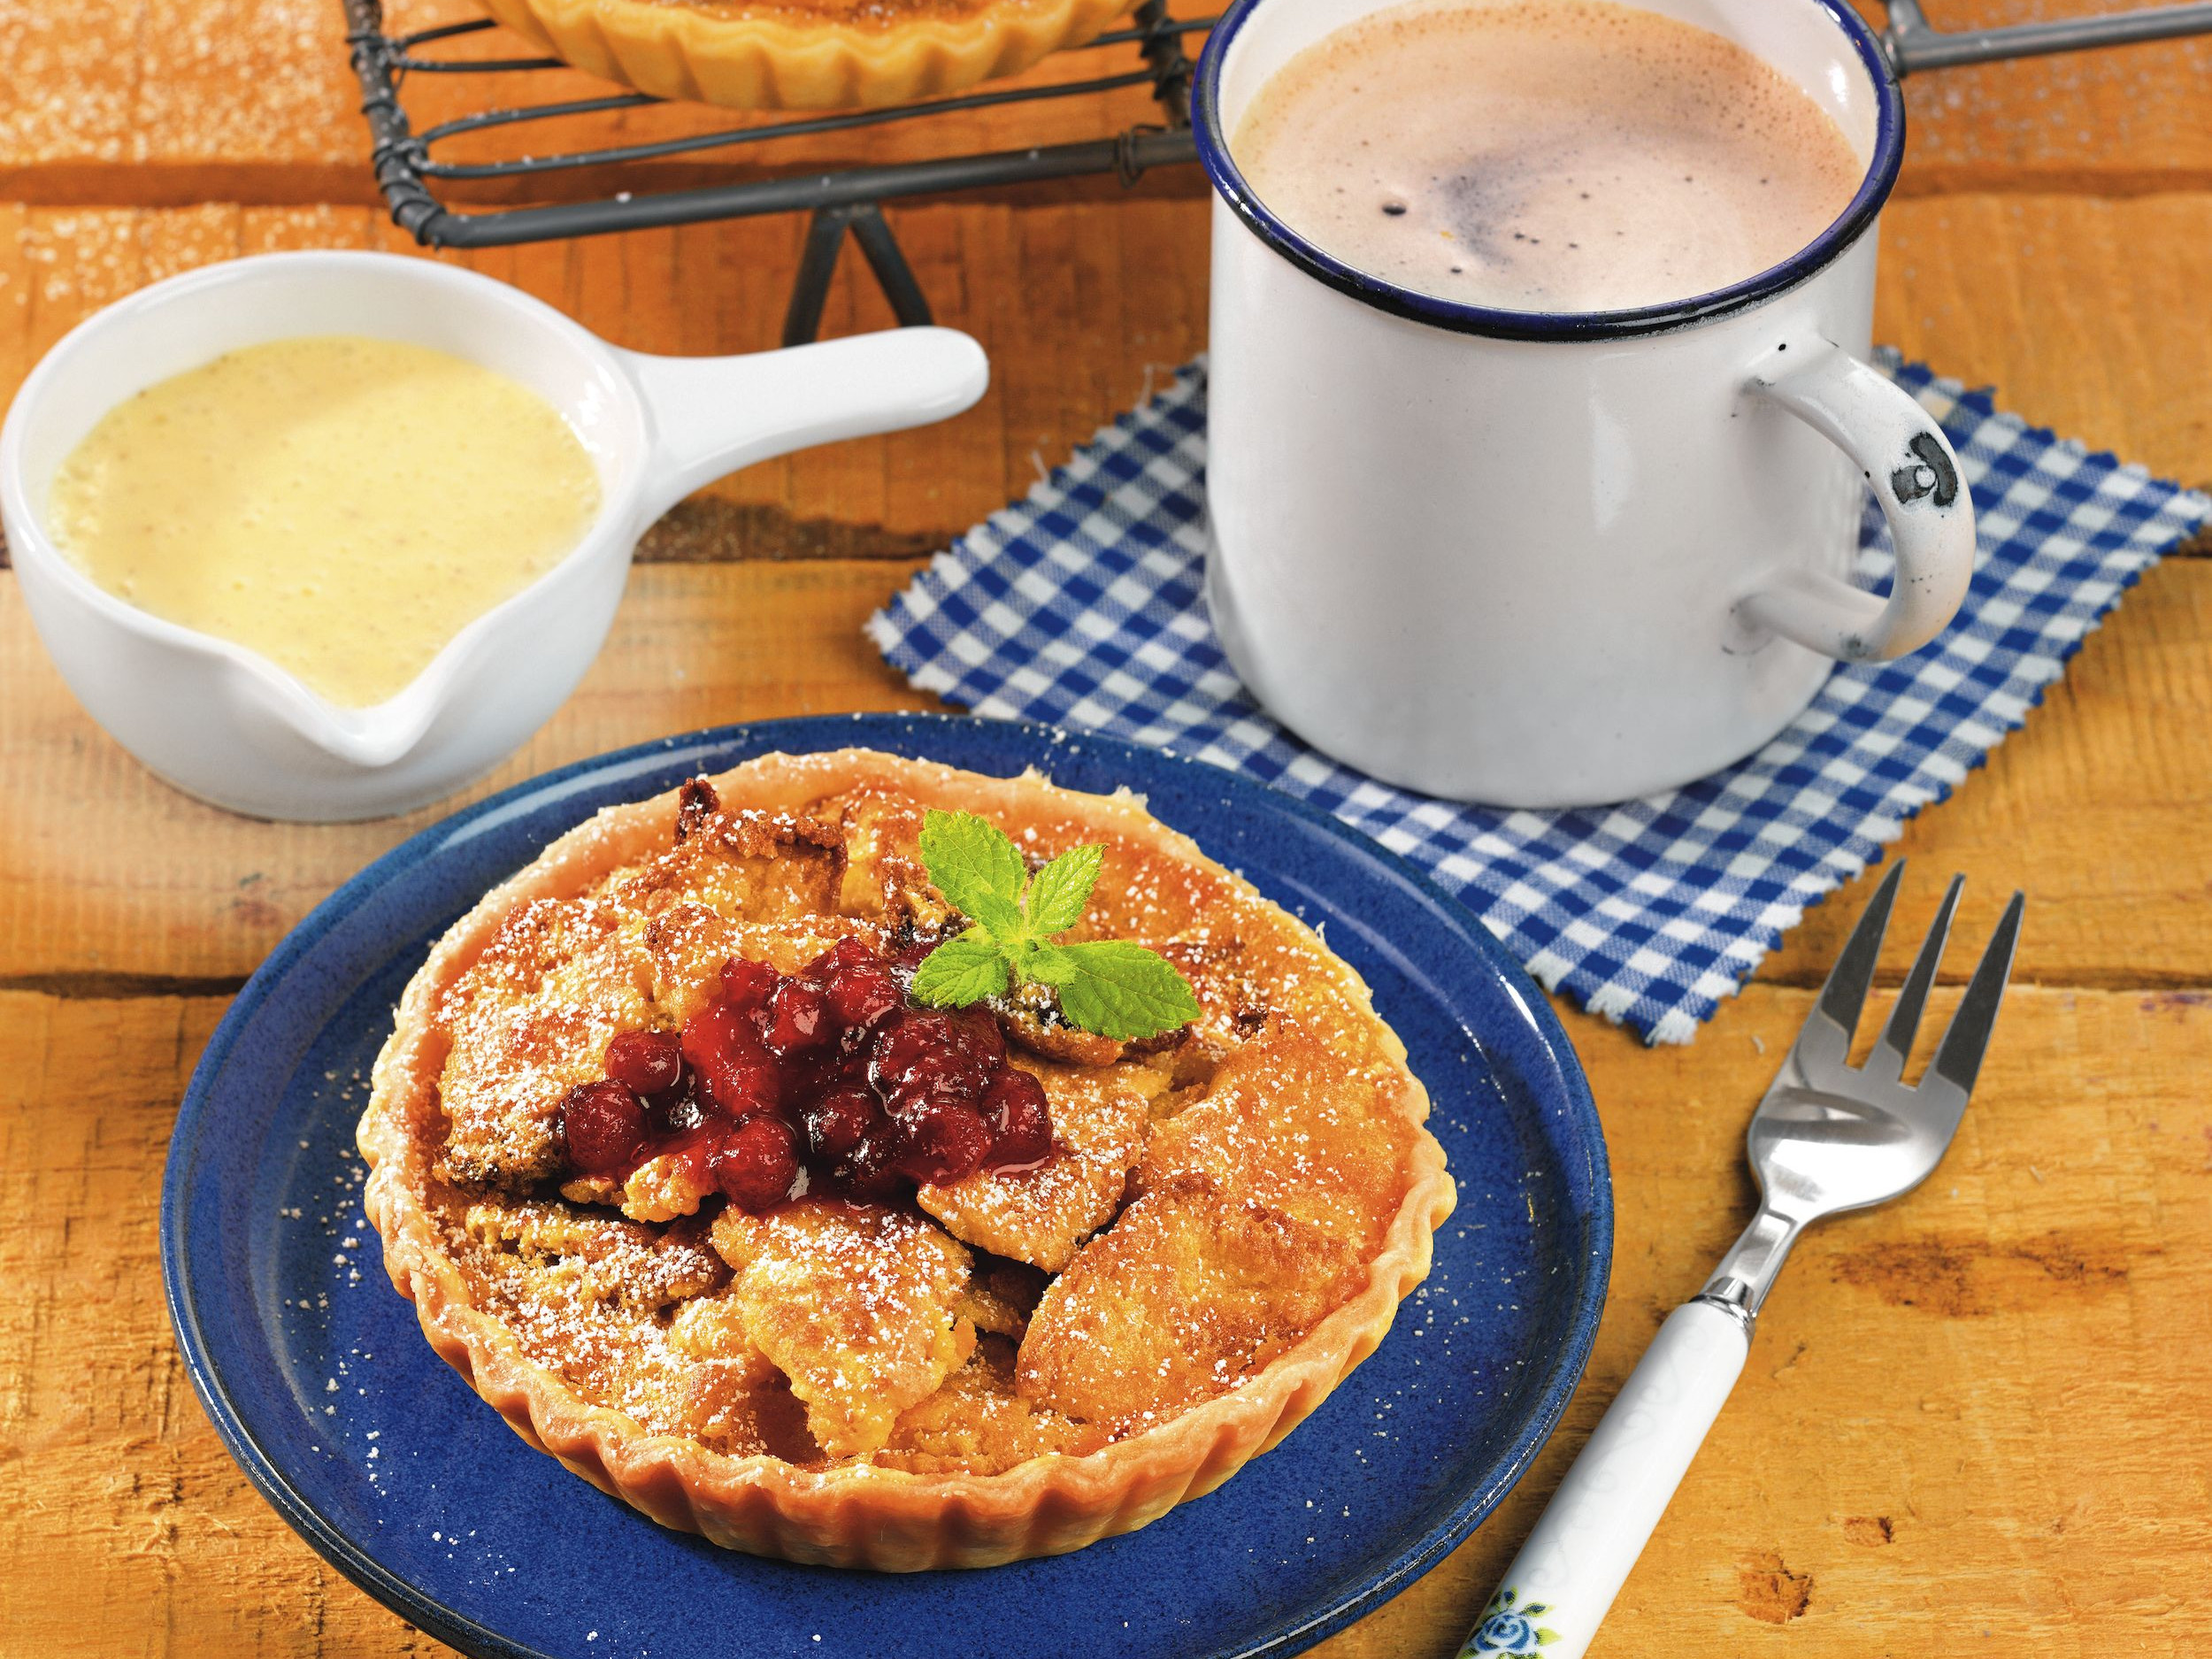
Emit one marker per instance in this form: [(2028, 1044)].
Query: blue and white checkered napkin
[(1079, 606)]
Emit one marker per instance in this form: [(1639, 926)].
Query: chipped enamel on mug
[(225, 724), (1545, 560)]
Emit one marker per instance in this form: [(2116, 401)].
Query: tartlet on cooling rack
[(804, 54), (684, 1180)]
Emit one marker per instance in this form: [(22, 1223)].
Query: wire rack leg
[(1163, 49), (809, 289), (818, 263), (887, 260)]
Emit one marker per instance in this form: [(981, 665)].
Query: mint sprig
[(1114, 987)]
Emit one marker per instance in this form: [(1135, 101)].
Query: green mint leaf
[(1112, 987), (1021, 958), (1120, 989), (978, 868), (1059, 892), (1050, 964), (960, 971)]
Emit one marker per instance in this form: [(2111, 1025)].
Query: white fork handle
[(1558, 1588)]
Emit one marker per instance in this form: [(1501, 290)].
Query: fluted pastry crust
[(804, 54), (874, 1513)]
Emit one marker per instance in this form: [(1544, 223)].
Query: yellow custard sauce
[(342, 505)]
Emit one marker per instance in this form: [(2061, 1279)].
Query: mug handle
[(1914, 473)]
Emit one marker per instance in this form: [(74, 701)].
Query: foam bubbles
[(1544, 155)]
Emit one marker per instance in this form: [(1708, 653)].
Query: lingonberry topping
[(852, 951), (857, 982), (839, 1120), (861, 997), (647, 1061), (922, 1056), (745, 1088), (735, 1067), (798, 1018), (945, 1143), (904, 1039), (825, 1077), (757, 1164), (678, 1111), (604, 1127), (1020, 1121), (980, 1038), (871, 1171), (718, 1032), (747, 985)]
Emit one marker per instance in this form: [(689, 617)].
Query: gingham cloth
[(1080, 606)]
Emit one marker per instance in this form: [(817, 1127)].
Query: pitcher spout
[(365, 739)]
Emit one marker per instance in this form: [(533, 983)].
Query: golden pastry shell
[(854, 1516), (791, 61)]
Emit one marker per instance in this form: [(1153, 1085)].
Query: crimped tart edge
[(674, 52), (858, 1515)]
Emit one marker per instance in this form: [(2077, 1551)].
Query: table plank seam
[(705, 530), (93, 985)]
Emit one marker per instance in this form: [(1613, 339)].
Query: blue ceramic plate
[(318, 1380)]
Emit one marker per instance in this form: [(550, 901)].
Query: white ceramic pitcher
[(226, 725)]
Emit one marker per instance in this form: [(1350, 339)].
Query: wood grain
[(1930, 1450), (123, 1525), (1974, 1411), (2079, 311), (1081, 308), (1084, 307), (2097, 808), (698, 646), (1972, 1421), (173, 101)]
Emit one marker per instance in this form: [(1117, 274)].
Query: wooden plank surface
[(2056, 300), (699, 646), (1947, 1423), (1081, 308), (2097, 808), (1972, 1422), (138, 100)]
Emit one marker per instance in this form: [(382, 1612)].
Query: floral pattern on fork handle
[(1509, 1626)]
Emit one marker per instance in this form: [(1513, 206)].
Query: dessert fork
[(1829, 1137)]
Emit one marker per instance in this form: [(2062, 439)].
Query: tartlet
[(850, 1371), (804, 54)]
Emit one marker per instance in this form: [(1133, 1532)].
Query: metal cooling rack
[(1151, 53), (408, 166)]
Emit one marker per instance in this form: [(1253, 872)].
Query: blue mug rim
[(1874, 190)]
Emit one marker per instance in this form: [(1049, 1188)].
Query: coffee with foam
[(1563, 156)]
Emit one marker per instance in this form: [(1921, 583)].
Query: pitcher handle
[(1914, 473), (713, 415)]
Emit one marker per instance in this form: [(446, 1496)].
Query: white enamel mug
[(225, 724), (1552, 560)]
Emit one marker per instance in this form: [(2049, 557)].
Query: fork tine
[(1845, 994), (1896, 1043), (1959, 1058)]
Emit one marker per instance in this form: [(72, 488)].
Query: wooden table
[(1975, 1423)]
